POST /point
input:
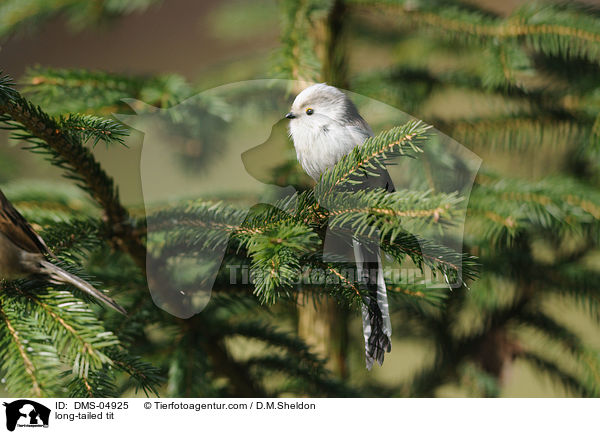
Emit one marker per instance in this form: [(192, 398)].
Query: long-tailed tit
[(23, 251), (325, 125)]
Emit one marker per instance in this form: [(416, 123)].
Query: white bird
[(325, 125)]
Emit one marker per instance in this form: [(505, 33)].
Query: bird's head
[(320, 105)]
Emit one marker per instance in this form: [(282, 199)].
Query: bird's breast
[(320, 148)]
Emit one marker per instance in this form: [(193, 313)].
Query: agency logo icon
[(25, 413)]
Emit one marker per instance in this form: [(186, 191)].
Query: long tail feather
[(58, 275), (377, 326)]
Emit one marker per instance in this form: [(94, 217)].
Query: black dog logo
[(26, 413)]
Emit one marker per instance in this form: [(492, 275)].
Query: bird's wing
[(361, 131), (377, 178), (14, 226)]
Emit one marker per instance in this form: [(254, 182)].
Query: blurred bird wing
[(14, 226)]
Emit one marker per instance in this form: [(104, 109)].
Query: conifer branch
[(27, 363), (297, 59), (67, 151), (563, 30), (15, 14), (94, 129), (99, 92), (372, 155)]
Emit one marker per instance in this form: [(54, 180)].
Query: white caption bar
[(306, 416)]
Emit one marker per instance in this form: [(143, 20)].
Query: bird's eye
[(309, 111)]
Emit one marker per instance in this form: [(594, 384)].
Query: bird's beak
[(290, 115)]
